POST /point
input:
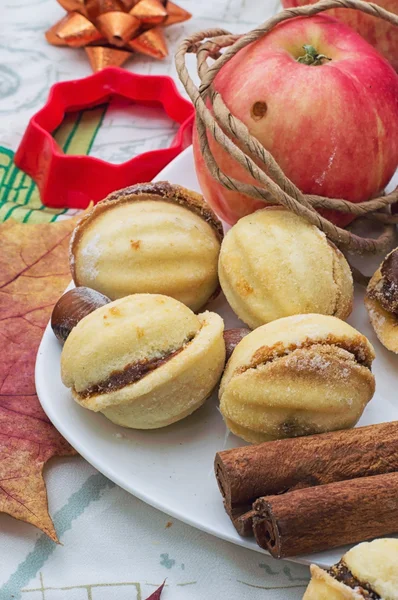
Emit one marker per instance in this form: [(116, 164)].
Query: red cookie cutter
[(71, 181)]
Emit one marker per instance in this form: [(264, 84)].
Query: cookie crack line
[(266, 354), (131, 373)]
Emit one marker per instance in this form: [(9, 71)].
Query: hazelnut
[(232, 337), (72, 307), (296, 376), (153, 238)]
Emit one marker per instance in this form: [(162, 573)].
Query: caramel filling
[(266, 354), (386, 290), (130, 374), (341, 573)]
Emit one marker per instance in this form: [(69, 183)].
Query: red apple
[(332, 126), (378, 32)]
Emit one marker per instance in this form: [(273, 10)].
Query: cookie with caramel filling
[(367, 572), (145, 361), (296, 376), (153, 238), (381, 301)]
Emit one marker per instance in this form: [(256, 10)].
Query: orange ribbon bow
[(111, 30)]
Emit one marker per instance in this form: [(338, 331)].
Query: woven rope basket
[(273, 185)]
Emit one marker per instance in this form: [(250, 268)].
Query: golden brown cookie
[(299, 375), (149, 238), (144, 361), (274, 264), (381, 301), (368, 571)]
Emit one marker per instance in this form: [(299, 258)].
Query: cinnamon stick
[(245, 474), (318, 518), (242, 518)]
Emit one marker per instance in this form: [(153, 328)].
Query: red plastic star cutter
[(71, 181)]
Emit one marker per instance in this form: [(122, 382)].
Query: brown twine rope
[(274, 187)]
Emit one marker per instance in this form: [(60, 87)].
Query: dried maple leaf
[(156, 595), (33, 274)]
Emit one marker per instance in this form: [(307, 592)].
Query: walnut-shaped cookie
[(381, 301), (145, 361), (369, 571), (153, 238), (274, 264), (300, 375)]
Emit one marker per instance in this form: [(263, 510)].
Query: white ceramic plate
[(172, 468)]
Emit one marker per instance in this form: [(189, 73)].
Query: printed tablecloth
[(113, 546)]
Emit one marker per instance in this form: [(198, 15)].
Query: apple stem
[(311, 56)]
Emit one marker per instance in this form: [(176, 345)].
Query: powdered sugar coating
[(305, 362), (91, 254)]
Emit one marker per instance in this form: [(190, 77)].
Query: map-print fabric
[(113, 546)]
